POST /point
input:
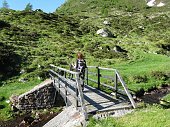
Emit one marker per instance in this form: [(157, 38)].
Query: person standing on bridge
[(80, 66)]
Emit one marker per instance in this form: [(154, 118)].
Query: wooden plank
[(91, 66), (91, 99), (109, 69), (69, 90), (71, 72), (70, 82), (116, 107)]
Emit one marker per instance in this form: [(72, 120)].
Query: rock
[(151, 3), (28, 120), (104, 33), (22, 71), (14, 99), (14, 108), (106, 22), (119, 49), (160, 4), (22, 80), (7, 101)]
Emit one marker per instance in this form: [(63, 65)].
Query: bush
[(2, 106), (139, 79), (160, 75), (2, 98)]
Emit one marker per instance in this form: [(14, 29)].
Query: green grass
[(38, 38), (15, 88), (144, 71), (167, 98), (152, 116)]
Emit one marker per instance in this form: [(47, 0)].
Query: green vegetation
[(12, 88), (146, 117), (31, 40)]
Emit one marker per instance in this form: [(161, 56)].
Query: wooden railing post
[(77, 94), (98, 77), (87, 76), (126, 90), (66, 94), (116, 85)]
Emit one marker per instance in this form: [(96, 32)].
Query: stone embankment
[(41, 96)]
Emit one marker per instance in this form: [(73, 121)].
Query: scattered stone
[(22, 71), (39, 78), (106, 22), (14, 108), (14, 99), (119, 49), (23, 80), (151, 3), (28, 120), (104, 33), (160, 4), (116, 113), (7, 101)]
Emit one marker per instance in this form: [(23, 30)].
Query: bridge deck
[(98, 101)]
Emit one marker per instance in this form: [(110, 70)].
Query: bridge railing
[(108, 78), (66, 86)]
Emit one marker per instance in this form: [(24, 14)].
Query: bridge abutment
[(41, 96)]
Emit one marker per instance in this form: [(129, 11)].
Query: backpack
[(81, 65)]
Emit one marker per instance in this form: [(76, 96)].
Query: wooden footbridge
[(92, 99)]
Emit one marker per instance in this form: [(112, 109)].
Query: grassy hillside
[(31, 40)]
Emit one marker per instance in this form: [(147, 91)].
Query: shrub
[(160, 75), (139, 79), (2, 98)]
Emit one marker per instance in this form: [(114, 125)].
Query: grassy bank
[(151, 116)]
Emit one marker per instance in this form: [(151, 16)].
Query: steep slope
[(40, 38)]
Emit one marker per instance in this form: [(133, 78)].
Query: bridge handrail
[(115, 78), (103, 68), (76, 83), (63, 69), (126, 89)]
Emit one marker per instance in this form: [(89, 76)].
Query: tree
[(28, 7), (5, 5)]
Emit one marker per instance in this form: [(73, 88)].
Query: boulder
[(104, 33)]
